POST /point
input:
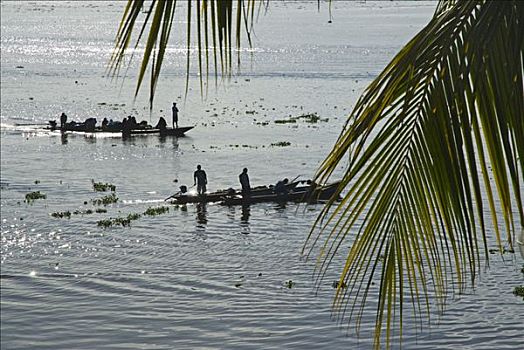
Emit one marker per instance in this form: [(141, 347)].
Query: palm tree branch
[(447, 152)]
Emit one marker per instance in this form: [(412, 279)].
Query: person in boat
[(244, 182), (63, 120), (175, 115), (105, 123), (90, 124), (162, 124), (112, 125), (131, 121), (280, 188), (126, 130), (200, 179), (144, 125)]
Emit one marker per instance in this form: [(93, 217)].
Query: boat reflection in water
[(63, 138), (244, 219), (246, 213), (201, 217)]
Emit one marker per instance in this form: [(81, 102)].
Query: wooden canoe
[(296, 193), (149, 131)]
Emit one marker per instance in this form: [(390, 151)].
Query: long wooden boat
[(301, 194), (296, 193), (146, 131)]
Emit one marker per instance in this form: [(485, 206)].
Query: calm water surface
[(199, 276)]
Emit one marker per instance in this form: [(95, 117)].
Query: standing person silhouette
[(63, 121), (244, 181), (175, 115), (200, 178)]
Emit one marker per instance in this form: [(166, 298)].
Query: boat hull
[(296, 193), (152, 131)]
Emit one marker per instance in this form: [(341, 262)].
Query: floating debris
[(61, 214), (125, 221), (290, 284), (106, 200), (32, 196), (83, 212), (504, 251), (308, 118), (519, 291), (285, 121), (103, 187), (281, 144), (156, 211), (105, 223), (335, 284)]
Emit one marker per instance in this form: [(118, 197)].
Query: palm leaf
[(436, 144), (435, 138), (213, 17)]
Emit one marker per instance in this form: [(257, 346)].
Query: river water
[(202, 277)]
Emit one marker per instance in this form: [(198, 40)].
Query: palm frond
[(223, 20), (437, 147)]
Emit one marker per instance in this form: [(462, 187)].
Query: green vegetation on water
[(67, 214), (308, 118), (125, 221), (156, 211), (106, 200), (281, 144), (103, 187), (83, 212), (32, 196), (519, 291), (61, 214)]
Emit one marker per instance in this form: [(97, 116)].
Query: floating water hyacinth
[(125, 221), (32, 196), (103, 187), (519, 291), (106, 200), (156, 211), (61, 214), (281, 144), (308, 118)]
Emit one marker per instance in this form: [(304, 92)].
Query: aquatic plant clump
[(311, 118), (281, 144), (32, 196), (83, 212), (103, 187), (106, 200), (156, 211), (67, 214), (61, 214), (125, 221), (519, 291)]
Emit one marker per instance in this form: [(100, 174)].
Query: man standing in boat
[(244, 181), (63, 121), (200, 178), (175, 115)]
